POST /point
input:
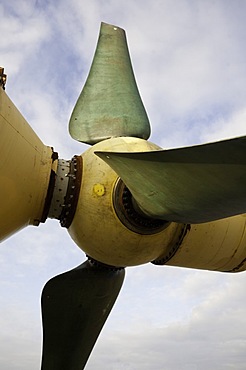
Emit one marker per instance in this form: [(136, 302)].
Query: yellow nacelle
[(25, 170), (218, 246)]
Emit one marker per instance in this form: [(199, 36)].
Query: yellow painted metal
[(99, 189), (25, 168), (96, 228), (217, 246)]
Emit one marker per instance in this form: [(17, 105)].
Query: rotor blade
[(109, 104), (75, 306), (189, 185)]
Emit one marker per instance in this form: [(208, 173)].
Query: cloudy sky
[(189, 59)]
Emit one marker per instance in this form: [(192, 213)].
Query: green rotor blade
[(75, 306), (189, 185), (109, 104)]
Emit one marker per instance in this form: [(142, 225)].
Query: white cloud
[(226, 128), (209, 337), (24, 31)]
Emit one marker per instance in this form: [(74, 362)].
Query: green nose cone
[(109, 104)]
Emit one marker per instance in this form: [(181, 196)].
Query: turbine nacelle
[(26, 168)]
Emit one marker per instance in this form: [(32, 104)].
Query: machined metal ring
[(66, 190), (60, 189), (173, 246), (130, 215)]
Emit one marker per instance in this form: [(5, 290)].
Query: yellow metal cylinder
[(217, 246), (25, 168)]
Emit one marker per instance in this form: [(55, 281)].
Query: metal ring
[(130, 215)]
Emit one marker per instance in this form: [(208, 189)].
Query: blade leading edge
[(189, 185)]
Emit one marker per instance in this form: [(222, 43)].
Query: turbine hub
[(103, 229)]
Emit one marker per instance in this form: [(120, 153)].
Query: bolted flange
[(66, 190)]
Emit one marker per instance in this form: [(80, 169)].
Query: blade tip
[(105, 26)]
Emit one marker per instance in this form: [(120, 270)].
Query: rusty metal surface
[(3, 78)]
